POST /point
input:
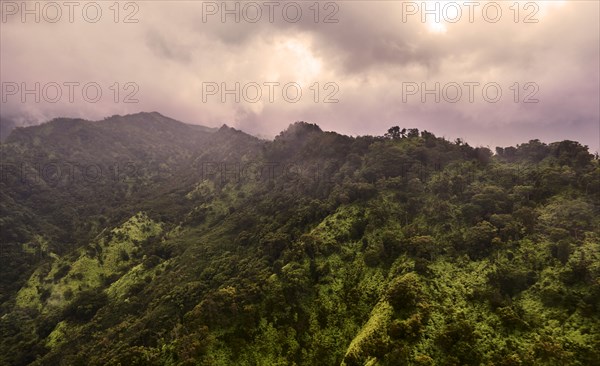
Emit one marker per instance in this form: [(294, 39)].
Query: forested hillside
[(140, 240)]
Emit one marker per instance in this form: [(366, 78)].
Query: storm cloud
[(356, 63)]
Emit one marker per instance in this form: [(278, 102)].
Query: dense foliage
[(212, 247)]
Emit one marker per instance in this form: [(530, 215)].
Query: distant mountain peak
[(226, 129), (299, 129)]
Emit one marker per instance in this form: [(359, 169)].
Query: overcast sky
[(371, 60)]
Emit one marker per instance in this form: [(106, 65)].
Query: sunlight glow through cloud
[(369, 53)]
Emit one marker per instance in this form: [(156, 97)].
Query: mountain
[(141, 240), (6, 126)]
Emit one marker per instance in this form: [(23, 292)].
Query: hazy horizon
[(272, 137)]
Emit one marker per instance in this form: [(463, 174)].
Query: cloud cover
[(374, 52)]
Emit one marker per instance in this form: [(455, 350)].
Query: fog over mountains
[(373, 53)]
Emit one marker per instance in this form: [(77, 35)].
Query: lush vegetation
[(401, 249)]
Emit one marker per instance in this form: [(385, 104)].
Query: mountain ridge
[(219, 248)]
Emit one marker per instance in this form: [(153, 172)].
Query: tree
[(405, 292), (85, 305), (479, 239), (511, 279), (273, 244), (396, 133), (574, 215), (412, 133), (534, 151), (483, 154), (571, 153)]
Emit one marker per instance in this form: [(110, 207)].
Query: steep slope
[(65, 181), (321, 249)]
